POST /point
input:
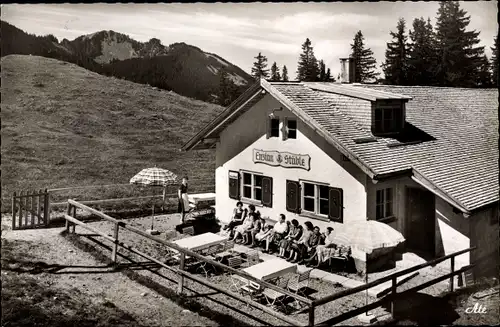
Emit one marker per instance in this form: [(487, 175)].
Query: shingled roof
[(459, 160)]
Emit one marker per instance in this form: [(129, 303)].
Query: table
[(199, 242), (195, 198), (269, 269)]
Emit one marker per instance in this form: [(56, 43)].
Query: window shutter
[(284, 129), (335, 200), (267, 191), (293, 196), (268, 127), (234, 185)]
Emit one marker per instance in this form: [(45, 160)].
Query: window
[(384, 203), (291, 128), (274, 127), (257, 187), (388, 118), (315, 199)]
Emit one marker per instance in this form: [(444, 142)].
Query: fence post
[(20, 209), (311, 314), (73, 226), (26, 209), (32, 208), (14, 211), (46, 212), (452, 262), (393, 295), (39, 207), (181, 279), (115, 246), (69, 214)]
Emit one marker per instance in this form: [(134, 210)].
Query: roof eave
[(225, 114)]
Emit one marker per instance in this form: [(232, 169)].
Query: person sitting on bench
[(266, 232), (279, 231), (300, 248), (323, 251), (247, 225), (239, 215), (295, 233)]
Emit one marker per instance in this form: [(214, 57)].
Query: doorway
[(420, 220)]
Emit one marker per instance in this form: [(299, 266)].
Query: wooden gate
[(30, 209)]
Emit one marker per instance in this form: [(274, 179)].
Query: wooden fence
[(71, 222), (311, 305), (30, 209)]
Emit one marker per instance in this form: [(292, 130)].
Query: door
[(420, 220)]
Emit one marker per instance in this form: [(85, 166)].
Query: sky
[(239, 31)]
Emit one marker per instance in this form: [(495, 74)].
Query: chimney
[(347, 70)]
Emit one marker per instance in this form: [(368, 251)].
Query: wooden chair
[(299, 283), (235, 262), (274, 297), (188, 231), (252, 258), (227, 250), (205, 266)]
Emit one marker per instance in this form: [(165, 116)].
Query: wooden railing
[(30, 209), (71, 222), (394, 295)]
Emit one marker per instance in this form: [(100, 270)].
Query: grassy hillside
[(65, 126)]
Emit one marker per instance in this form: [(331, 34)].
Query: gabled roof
[(459, 162)]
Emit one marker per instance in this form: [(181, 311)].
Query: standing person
[(182, 195)]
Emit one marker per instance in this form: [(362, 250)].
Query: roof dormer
[(388, 117)]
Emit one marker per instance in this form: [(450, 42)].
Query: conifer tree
[(284, 74), (422, 58), (259, 69), (494, 62), (228, 91), (328, 76), (275, 72), (322, 71), (395, 66), (364, 62), (483, 77), (307, 67), (458, 53)]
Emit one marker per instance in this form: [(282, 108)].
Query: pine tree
[(284, 74), (395, 66), (483, 77), (422, 58), (275, 72), (322, 71), (228, 91), (259, 69), (328, 76), (494, 62), (458, 53), (364, 62), (307, 67)]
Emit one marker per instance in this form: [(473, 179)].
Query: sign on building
[(283, 159)]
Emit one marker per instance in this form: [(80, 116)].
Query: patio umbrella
[(154, 177), (367, 236)]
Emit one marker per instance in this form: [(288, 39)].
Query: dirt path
[(57, 264)]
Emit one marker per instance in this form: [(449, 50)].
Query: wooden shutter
[(234, 185), (284, 129), (268, 127), (267, 191), (335, 200), (293, 196)]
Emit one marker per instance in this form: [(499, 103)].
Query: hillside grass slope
[(64, 126)]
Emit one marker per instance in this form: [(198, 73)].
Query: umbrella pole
[(153, 216), (164, 194)]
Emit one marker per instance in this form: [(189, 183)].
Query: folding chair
[(227, 250), (299, 283), (235, 262), (274, 297), (252, 258), (188, 231), (205, 266)]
